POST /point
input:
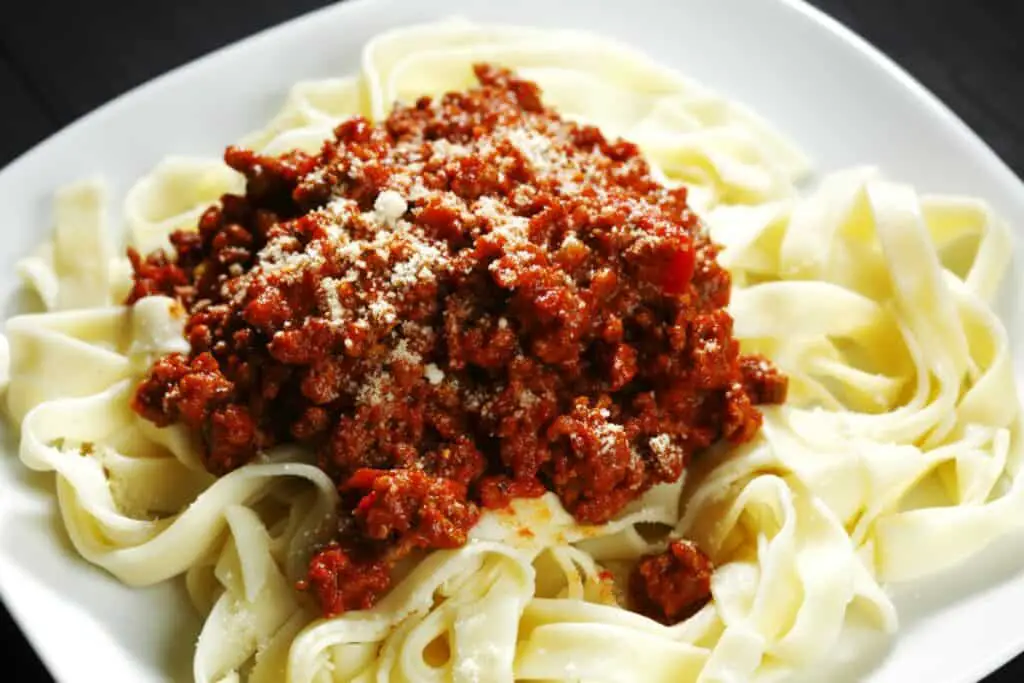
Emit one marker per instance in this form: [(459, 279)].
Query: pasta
[(898, 452)]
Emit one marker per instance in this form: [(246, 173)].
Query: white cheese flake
[(389, 207), (433, 374)]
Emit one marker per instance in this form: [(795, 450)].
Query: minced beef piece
[(673, 585)]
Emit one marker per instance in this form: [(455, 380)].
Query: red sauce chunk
[(470, 302), (672, 586)]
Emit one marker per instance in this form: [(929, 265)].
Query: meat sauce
[(472, 301), (673, 585)]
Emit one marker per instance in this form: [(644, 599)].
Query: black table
[(61, 58)]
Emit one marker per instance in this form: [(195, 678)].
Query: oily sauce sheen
[(472, 301)]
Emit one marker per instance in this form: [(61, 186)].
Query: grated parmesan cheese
[(389, 207), (433, 374)]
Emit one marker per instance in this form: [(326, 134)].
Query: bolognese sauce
[(673, 585), (472, 301)]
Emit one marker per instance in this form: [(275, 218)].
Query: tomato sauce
[(472, 301), (673, 585)]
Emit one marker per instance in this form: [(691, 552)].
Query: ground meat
[(673, 585), (342, 583), (472, 301), (596, 467), (762, 381), (410, 509)]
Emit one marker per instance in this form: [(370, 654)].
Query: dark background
[(61, 58)]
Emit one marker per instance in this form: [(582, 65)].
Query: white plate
[(838, 97)]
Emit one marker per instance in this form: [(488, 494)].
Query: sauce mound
[(473, 301)]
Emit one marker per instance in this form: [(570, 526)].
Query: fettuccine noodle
[(897, 454)]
